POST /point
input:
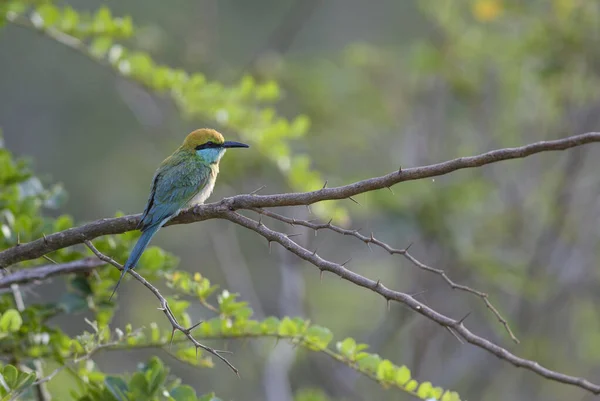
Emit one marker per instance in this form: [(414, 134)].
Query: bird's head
[(209, 144)]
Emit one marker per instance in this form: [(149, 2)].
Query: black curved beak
[(232, 144)]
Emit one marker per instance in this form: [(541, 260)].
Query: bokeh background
[(384, 84)]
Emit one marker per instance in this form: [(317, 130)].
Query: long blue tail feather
[(136, 253)]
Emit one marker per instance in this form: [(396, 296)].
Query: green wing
[(175, 183)]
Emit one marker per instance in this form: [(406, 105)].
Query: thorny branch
[(392, 251), (408, 300), (226, 209), (119, 225), (164, 306)]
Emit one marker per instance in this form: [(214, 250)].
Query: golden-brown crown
[(202, 136)]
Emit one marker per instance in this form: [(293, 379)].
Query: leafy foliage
[(26, 336), (245, 107)]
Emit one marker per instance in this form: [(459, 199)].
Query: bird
[(184, 179)]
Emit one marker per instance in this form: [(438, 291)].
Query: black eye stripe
[(208, 145)]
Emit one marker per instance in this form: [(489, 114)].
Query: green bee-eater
[(184, 179)]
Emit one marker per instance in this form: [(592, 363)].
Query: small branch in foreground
[(164, 307), (392, 251), (24, 276), (376, 286), (76, 360)]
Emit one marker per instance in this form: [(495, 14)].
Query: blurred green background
[(384, 84)]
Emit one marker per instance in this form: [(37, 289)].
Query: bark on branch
[(73, 236)]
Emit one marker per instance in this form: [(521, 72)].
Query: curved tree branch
[(164, 306), (394, 251), (73, 236), (39, 273), (226, 209), (454, 325)]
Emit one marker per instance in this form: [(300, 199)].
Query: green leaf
[(69, 20), (10, 321), (450, 396), (347, 347), (183, 393), (155, 375), (424, 390), (11, 375), (26, 379), (436, 393), (103, 22), (139, 384), (100, 46), (153, 259), (368, 363), (402, 375), (117, 387), (287, 328), (63, 222), (411, 385), (318, 338), (386, 371), (270, 325), (49, 13)]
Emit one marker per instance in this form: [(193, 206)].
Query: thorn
[(293, 223), (321, 276), (194, 326), (315, 252), (391, 190), (18, 239), (399, 169), (416, 294), (328, 225), (45, 238), (197, 353), (408, 247), (463, 319), (161, 308), (455, 335), (224, 351), (370, 248), (354, 200), (324, 185), (378, 283), (259, 221), (172, 335), (293, 235), (257, 190), (50, 260), (308, 207), (269, 243), (388, 304), (344, 264), (357, 231)]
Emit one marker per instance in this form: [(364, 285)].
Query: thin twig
[(164, 307), (376, 286), (76, 361), (33, 274), (393, 251), (41, 392)]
